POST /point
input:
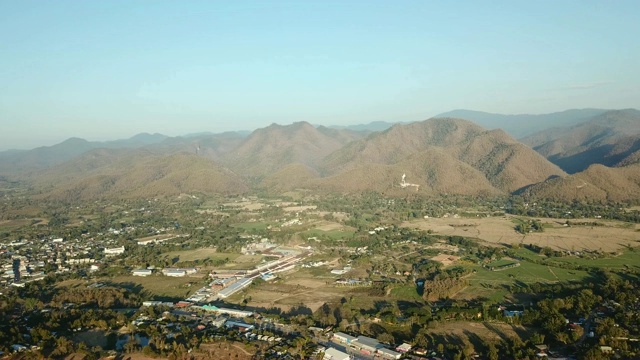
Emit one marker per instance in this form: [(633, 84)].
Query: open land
[(609, 237)]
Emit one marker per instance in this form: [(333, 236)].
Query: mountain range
[(576, 154)]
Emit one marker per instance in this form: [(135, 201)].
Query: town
[(287, 279)]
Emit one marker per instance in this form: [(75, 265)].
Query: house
[(334, 354), (404, 348)]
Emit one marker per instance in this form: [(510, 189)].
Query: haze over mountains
[(479, 155)]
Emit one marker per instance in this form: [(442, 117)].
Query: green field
[(501, 262), (491, 284), (406, 292), (157, 286)]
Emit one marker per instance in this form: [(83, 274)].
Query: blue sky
[(111, 69)]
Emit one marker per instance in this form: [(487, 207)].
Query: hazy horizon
[(110, 70)]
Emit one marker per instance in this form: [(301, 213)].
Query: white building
[(174, 272), (141, 272), (114, 251), (178, 272), (334, 354)]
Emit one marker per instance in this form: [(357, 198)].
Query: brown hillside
[(144, 176), (508, 164), (290, 177), (598, 182), (434, 170), (269, 149), (502, 162), (400, 141)]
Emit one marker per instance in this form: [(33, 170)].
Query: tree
[(492, 352)]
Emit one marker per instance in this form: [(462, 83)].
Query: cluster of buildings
[(25, 260), (364, 345), (18, 270), (258, 247)]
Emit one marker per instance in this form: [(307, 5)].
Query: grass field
[(301, 288), (492, 284), (236, 261), (501, 262), (157, 286), (406, 292), (612, 236)]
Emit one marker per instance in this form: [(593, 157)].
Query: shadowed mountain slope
[(521, 125), (606, 139)]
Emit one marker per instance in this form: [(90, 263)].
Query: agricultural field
[(501, 262), (610, 236)]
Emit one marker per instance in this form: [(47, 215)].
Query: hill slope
[(122, 174), (270, 149), (598, 182), (47, 156), (451, 147)]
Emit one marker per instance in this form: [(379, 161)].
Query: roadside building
[(235, 287), (335, 354), (404, 348), (219, 284), (366, 345), (343, 338), (141, 272), (389, 354)]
